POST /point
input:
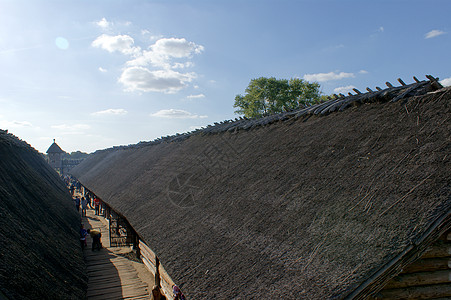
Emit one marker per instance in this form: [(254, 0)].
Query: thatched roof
[(307, 204), (40, 256)]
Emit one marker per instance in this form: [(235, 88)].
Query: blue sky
[(96, 74)]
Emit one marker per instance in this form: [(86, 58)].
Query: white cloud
[(446, 81), (104, 24), (344, 89), (381, 29), (196, 96), (150, 36), (176, 114), (103, 70), (71, 128), (188, 64), (173, 47), (363, 72), (120, 43), (152, 70), (145, 80), (433, 33), (111, 111), (14, 124), (164, 50), (321, 77)]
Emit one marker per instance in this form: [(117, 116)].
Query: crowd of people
[(82, 204), (90, 201)]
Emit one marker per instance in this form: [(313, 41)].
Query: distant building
[(56, 157)]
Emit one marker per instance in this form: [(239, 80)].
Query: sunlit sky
[(96, 74)]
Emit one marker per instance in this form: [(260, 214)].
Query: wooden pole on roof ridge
[(434, 82), (400, 81)]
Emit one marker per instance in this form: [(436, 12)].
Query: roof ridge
[(338, 103)]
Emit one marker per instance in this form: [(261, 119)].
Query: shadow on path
[(110, 276)]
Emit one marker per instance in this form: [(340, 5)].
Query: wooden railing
[(123, 234), (153, 264)]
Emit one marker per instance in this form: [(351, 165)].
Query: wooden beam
[(419, 279), (428, 264), (434, 82), (438, 249), (147, 253), (419, 292)]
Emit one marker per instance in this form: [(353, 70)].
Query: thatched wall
[(40, 256), (308, 207)]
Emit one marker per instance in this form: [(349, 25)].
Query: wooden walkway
[(110, 274)]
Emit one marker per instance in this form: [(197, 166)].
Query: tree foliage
[(265, 96)]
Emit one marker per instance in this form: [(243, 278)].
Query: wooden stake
[(401, 82)]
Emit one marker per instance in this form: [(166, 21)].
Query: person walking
[(77, 203), (83, 234), (97, 206), (88, 198), (178, 295), (84, 206), (95, 235)]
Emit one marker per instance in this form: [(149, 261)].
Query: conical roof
[(54, 148)]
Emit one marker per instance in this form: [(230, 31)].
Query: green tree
[(265, 96)]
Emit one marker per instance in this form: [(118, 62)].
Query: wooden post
[(401, 82), (109, 233), (157, 272), (136, 245)]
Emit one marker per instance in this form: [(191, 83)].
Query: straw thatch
[(307, 204), (40, 255)]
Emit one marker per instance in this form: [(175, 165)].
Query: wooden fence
[(123, 234), (153, 264)]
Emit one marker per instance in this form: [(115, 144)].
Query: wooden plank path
[(110, 275)]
